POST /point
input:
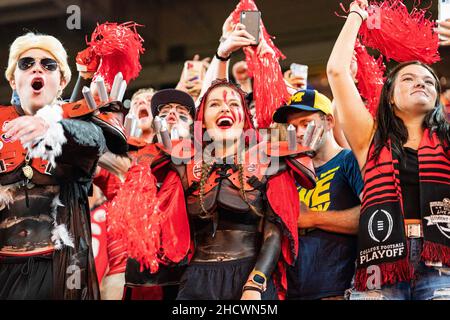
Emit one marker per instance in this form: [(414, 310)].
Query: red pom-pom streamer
[(134, 218), (400, 35), (269, 88), (152, 224), (370, 77), (119, 47)]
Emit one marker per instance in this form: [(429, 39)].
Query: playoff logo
[(380, 226)]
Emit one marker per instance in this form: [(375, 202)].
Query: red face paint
[(233, 114), (240, 110), (237, 114), (225, 95)]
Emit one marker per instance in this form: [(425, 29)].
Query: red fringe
[(119, 47), (133, 213), (400, 35), (287, 208), (370, 77), (436, 252), (153, 225), (391, 273), (269, 88)]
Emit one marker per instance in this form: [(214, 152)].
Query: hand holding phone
[(252, 20), (299, 71), (444, 21)]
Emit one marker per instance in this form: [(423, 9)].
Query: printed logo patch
[(440, 216), (297, 98), (197, 170), (252, 167)]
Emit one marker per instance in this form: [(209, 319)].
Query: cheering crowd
[(251, 187)]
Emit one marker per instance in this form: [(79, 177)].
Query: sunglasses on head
[(46, 63)]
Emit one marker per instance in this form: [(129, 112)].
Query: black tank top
[(409, 182)]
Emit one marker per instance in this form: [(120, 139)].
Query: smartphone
[(252, 20), (444, 13), (194, 70), (444, 10), (300, 70)]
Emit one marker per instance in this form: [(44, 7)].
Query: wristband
[(251, 288), (221, 58), (359, 14)]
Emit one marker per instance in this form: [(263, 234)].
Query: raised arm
[(357, 123), (338, 133), (234, 37)]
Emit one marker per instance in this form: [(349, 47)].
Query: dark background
[(175, 30)]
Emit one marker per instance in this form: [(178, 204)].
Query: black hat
[(167, 96)]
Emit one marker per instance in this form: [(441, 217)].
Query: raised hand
[(360, 7), (236, 40), (444, 32), (296, 82)]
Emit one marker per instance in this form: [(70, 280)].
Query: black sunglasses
[(46, 63)]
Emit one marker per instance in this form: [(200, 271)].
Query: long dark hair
[(391, 128)]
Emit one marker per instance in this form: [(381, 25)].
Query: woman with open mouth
[(46, 165), (242, 233)]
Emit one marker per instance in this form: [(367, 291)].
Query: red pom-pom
[(152, 224), (400, 35), (370, 77), (118, 47), (133, 217), (269, 88)]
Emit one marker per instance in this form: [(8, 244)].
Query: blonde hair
[(38, 41), (142, 91)]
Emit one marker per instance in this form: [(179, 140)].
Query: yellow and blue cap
[(303, 100)]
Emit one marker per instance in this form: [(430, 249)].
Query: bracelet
[(251, 288), (359, 14), (221, 58)]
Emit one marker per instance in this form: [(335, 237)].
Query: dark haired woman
[(404, 154), (242, 218)]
